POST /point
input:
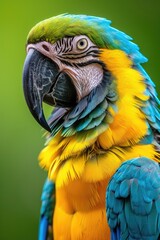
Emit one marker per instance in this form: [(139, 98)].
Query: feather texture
[(47, 209), (133, 200)]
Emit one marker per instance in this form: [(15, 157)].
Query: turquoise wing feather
[(133, 201), (47, 209)]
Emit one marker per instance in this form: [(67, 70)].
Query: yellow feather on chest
[(92, 167)]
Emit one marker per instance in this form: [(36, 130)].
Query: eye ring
[(82, 44)]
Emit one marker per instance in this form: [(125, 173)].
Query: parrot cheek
[(43, 81)]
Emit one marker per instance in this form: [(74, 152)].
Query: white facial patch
[(86, 78)]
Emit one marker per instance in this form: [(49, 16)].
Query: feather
[(95, 98), (96, 122), (78, 109), (83, 124), (125, 188), (97, 113), (55, 121), (43, 229), (56, 115), (139, 209), (47, 208)]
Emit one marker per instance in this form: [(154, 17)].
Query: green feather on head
[(66, 25)]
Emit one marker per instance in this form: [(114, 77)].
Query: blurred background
[(21, 179)]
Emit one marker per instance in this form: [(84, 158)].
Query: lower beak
[(43, 81)]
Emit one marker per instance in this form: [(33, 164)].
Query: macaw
[(102, 149)]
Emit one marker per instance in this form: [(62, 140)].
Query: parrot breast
[(80, 209)]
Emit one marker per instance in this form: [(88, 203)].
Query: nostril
[(45, 47)]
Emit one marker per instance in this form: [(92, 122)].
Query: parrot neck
[(92, 165)]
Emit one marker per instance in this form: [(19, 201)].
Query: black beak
[(42, 81)]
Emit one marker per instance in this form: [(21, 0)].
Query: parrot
[(102, 148)]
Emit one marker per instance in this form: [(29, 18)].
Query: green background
[(21, 179)]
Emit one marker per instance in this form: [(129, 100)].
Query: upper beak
[(42, 80)]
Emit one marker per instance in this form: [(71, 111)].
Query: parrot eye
[(82, 44)]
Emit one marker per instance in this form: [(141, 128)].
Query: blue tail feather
[(43, 229)]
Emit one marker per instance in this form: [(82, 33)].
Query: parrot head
[(62, 64), (78, 64)]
